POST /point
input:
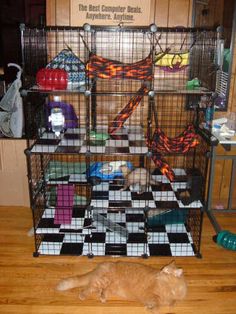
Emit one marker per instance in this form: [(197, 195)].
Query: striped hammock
[(162, 144), (99, 67)]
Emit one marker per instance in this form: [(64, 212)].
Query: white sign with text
[(102, 12)]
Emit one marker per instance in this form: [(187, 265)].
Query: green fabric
[(193, 84), (98, 136), (58, 169)]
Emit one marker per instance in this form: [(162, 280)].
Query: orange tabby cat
[(131, 281)]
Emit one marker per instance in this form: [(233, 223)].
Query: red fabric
[(161, 144), (126, 112), (179, 144), (163, 166), (99, 67)]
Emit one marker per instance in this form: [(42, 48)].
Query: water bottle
[(57, 120), (209, 113)]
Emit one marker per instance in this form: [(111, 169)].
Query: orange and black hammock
[(162, 144), (99, 67), (126, 112)]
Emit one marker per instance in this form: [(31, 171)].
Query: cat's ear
[(169, 267), (172, 269), (172, 263)]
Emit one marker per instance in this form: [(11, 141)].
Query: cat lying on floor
[(139, 176), (131, 281)]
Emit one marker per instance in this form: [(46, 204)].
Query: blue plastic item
[(209, 114), (227, 240), (106, 171)]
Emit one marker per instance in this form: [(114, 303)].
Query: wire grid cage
[(82, 201)]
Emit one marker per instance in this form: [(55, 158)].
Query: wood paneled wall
[(209, 15), (13, 173), (232, 91), (165, 12)]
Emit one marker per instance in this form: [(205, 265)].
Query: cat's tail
[(73, 282)]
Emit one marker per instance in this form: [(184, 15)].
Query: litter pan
[(156, 217)]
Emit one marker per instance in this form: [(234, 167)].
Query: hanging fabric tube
[(126, 112)]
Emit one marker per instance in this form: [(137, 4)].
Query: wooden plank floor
[(27, 283)]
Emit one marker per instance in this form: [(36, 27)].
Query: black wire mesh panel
[(34, 50), (77, 217), (53, 48), (34, 115), (175, 141), (118, 124), (179, 157), (185, 60), (50, 134), (175, 231), (59, 195), (120, 59)]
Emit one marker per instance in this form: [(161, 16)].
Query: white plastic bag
[(11, 118)]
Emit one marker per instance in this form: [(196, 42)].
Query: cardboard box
[(110, 12)]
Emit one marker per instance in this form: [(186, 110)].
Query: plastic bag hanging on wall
[(11, 118)]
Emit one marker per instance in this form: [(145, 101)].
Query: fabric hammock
[(99, 67), (179, 144), (172, 62), (126, 112), (161, 144)]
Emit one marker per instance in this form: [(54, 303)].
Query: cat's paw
[(63, 285), (82, 296), (152, 307), (155, 311), (103, 297)]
